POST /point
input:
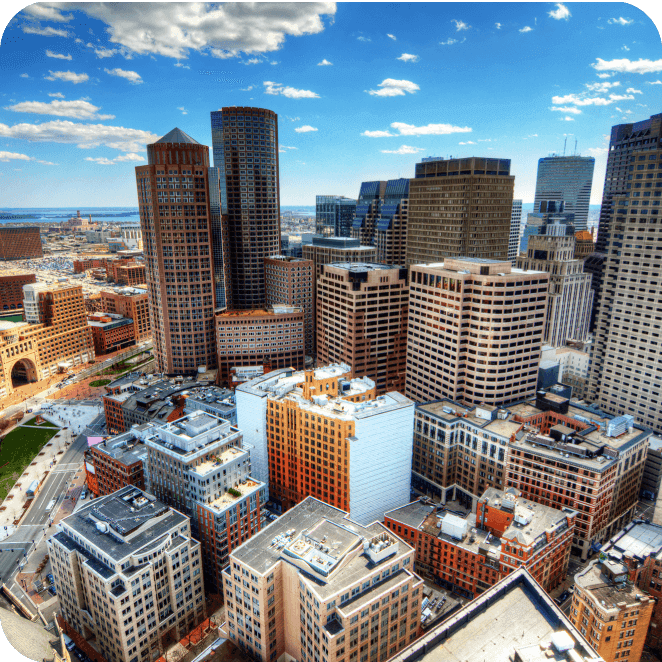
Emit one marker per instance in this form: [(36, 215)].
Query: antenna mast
[(564, 144), (575, 154)]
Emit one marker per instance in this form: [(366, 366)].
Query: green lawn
[(45, 424), (17, 450)]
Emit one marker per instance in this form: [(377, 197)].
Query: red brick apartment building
[(113, 464), (126, 272), (20, 243), (111, 332), (131, 303), (11, 290), (469, 552), (85, 264)]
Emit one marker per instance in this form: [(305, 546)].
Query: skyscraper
[(179, 255), (245, 147), (333, 215), (567, 179), (371, 196), (391, 227), (459, 207), (515, 226)]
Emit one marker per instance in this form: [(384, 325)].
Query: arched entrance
[(23, 372)]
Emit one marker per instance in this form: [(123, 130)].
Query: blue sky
[(362, 90)]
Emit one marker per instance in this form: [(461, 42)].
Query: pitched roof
[(177, 136)]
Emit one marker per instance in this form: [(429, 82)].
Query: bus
[(32, 490), (50, 506)]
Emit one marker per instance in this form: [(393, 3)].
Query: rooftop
[(513, 620), (595, 579), (177, 136), (638, 539), (226, 499), (278, 309)]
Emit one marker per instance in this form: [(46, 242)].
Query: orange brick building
[(113, 464), (111, 332), (126, 272), (131, 303), (20, 243), (85, 264), (469, 552), (11, 290)]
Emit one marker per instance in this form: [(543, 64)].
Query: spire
[(177, 136)]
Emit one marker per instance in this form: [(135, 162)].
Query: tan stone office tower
[(475, 331), (175, 218), (459, 207), (362, 321)]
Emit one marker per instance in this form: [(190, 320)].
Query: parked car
[(83, 494)]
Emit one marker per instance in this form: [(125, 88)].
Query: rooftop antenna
[(575, 154), (564, 144)]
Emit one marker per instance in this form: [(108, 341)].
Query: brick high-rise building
[(291, 281), (362, 321), (391, 226), (570, 296), (130, 302), (19, 243), (459, 207), (175, 217), (11, 289), (468, 554), (584, 245), (625, 374), (330, 588), (323, 432), (245, 144), (128, 575), (475, 331), (55, 335)]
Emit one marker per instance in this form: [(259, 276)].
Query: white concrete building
[(515, 227)]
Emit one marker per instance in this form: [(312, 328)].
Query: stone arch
[(24, 371)]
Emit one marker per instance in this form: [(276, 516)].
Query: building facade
[(262, 340), (492, 359), (178, 252), (625, 374), (368, 206), (111, 332), (567, 179), (128, 575), (290, 281), (11, 290), (130, 302), (391, 226), (54, 337), (334, 215), (570, 297), (245, 146), (515, 231), (329, 589), (468, 554), (362, 321), (459, 207), (325, 250), (20, 243)]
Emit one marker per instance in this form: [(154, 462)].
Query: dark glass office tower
[(245, 149)]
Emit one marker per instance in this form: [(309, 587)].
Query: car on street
[(83, 495), (562, 598)]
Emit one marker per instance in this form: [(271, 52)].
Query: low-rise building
[(11, 289), (514, 620), (468, 551), (316, 585), (20, 243), (130, 302), (650, 484), (612, 613), (128, 575), (111, 332)]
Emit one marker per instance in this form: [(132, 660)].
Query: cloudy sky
[(362, 90)]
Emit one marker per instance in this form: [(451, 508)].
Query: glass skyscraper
[(567, 179), (334, 215)]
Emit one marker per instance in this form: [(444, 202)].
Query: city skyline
[(353, 104)]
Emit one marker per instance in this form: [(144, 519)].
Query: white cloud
[(391, 36), (305, 129), (80, 109), (101, 160), (468, 142), (44, 32), (292, 119), (567, 109), (184, 111), (362, 38), (620, 21), (597, 151), (497, 26), (247, 89), (283, 148), (654, 82), (105, 52), (625, 48), (404, 149), (68, 76), (85, 136), (640, 66), (378, 134), (132, 76), (605, 75), (561, 12), (450, 41), (47, 11), (429, 130), (631, 90), (183, 66), (57, 95), (58, 56), (602, 87), (25, 75), (484, 140), (408, 57), (460, 25), (394, 88), (130, 157), (532, 135), (325, 63), (583, 100), (224, 30), (526, 28), (289, 92), (253, 60), (567, 118), (14, 156)]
